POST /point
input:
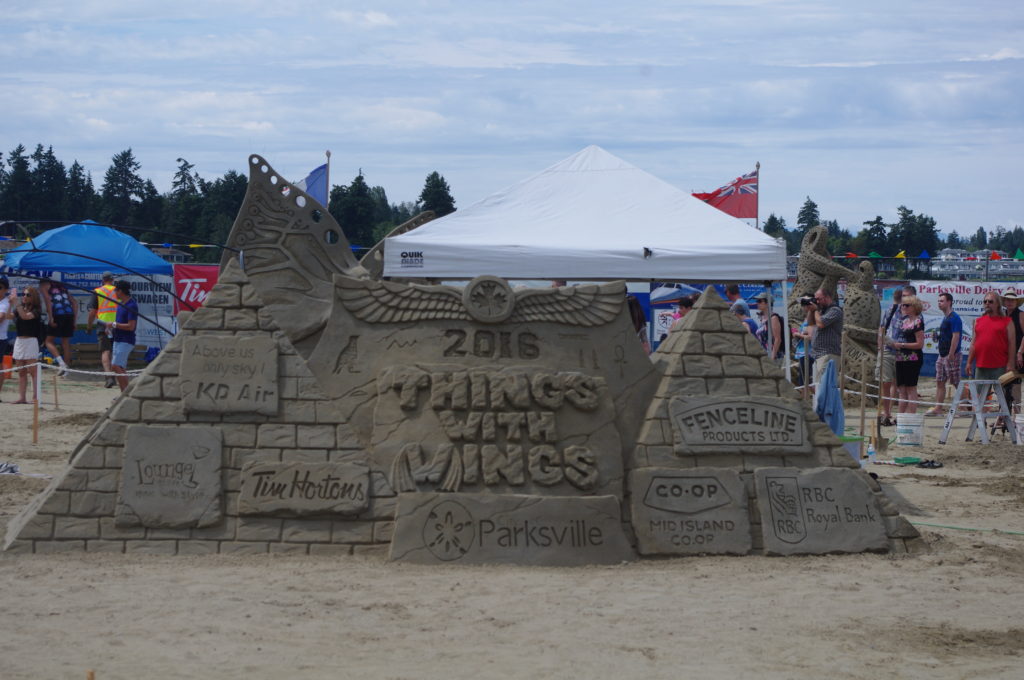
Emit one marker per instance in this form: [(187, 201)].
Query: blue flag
[(315, 184)]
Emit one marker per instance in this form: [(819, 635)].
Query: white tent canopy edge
[(592, 216)]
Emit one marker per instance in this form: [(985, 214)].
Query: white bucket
[(1018, 420), (910, 429)]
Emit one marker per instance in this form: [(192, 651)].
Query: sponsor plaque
[(744, 425), (170, 477), (823, 510), (460, 528), (228, 374), (690, 512), (304, 488)]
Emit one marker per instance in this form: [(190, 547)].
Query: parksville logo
[(449, 531), (412, 259)]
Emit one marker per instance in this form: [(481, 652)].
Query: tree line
[(911, 234), (40, 192)]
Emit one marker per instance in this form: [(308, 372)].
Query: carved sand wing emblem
[(487, 299)]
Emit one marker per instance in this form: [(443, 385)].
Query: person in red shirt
[(992, 349)]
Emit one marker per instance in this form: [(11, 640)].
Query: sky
[(862, 107)]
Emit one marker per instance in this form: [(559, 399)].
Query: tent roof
[(591, 216), (87, 247)]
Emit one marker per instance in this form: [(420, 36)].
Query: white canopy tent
[(592, 216)]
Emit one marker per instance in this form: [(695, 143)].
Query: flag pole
[(757, 203), (328, 153)]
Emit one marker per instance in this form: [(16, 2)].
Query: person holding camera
[(826, 317)]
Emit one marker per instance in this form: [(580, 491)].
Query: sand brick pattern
[(712, 355), (77, 511)]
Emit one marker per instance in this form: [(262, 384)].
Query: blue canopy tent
[(672, 293), (83, 248)]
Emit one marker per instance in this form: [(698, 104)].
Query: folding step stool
[(975, 389)]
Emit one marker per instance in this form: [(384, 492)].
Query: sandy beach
[(954, 611)]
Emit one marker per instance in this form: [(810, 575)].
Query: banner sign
[(152, 294), (192, 283), (967, 299)]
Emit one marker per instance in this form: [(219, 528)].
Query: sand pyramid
[(729, 459), (162, 471)]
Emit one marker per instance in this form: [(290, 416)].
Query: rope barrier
[(875, 395), (15, 369), (947, 526)]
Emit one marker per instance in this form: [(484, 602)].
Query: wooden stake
[(56, 399), (38, 393), (863, 400), (90, 675)]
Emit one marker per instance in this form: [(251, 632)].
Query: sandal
[(929, 464), (887, 422)]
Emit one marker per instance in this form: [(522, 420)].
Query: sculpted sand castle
[(307, 407)]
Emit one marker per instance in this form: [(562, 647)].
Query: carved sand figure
[(861, 316), (815, 270), (309, 408)]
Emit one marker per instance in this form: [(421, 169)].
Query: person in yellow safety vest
[(103, 311)]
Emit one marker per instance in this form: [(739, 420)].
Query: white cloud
[(369, 19), (999, 55)]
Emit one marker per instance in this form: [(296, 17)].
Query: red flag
[(737, 198), (995, 256)]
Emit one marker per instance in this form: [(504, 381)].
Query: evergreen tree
[(808, 216), (436, 195), (185, 179), (775, 226), (953, 240), (80, 197), (873, 237), (147, 212), (221, 201), (16, 192), (122, 188), (404, 211), (354, 209), (182, 207), (49, 183), (979, 240)]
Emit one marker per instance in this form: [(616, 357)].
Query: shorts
[(988, 373), (907, 373), (948, 368), (120, 354), (64, 328), (26, 349), (105, 342), (888, 374), (5, 347)]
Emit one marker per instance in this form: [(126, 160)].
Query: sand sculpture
[(861, 318), (815, 270), (307, 407), (861, 314)]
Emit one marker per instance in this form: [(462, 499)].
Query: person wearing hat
[(770, 329), (103, 312), (1011, 302), (123, 331)]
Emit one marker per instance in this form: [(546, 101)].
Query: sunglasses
[(990, 302), (905, 304)]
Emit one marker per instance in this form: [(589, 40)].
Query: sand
[(952, 612)]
